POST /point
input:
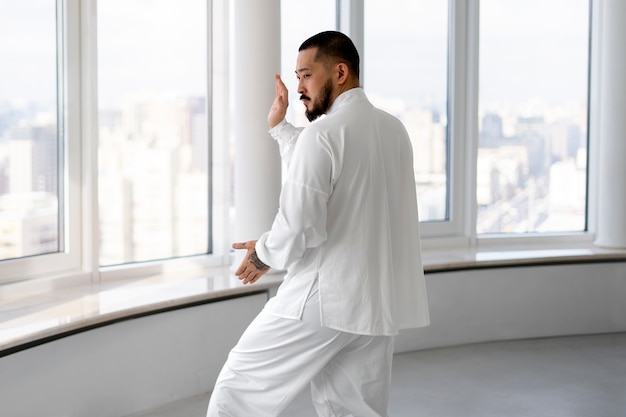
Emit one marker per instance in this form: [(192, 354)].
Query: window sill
[(29, 320), (454, 259)]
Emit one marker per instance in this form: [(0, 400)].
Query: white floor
[(581, 376)]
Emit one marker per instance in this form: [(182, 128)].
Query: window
[(520, 69), (143, 69), (532, 153), (31, 187), (494, 94), (153, 109), (405, 73)]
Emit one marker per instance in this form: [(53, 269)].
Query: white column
[(611, 221), (257, 169), (351, 14)]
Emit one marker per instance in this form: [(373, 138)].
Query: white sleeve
[(301, 219), (286, 135)]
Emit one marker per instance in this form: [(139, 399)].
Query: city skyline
[(539, 141), (564, 151)]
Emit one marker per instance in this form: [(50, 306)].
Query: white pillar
[(351, 15), (257, 169), (611, 220)]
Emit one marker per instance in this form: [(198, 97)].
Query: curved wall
[(482, 305), (125, 367), (137, 364)]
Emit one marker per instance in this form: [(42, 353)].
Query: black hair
[(334, 46)]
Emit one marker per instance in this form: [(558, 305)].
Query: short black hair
[(334, 46)]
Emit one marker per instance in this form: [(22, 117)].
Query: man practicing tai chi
[(347, 233)]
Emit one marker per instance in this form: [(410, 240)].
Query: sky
[(27, 50), (523, 49)]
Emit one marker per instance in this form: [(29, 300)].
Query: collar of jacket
[(353, 95)]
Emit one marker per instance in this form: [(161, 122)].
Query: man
[(347, 233)]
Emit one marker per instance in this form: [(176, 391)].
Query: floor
[(581, 376)]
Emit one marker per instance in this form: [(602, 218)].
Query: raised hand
[(278, 111)]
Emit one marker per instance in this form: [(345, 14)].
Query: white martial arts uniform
[(347, 232)]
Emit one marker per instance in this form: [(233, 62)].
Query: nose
[(300, 86)]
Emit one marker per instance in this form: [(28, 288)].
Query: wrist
[(273, 124), (258, 264)]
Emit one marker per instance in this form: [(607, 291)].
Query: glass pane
[(299, 21), (153, 151), (405, 73), (532, 171), (29, 132)]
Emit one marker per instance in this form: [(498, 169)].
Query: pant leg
[(272, 362), (355, 383)]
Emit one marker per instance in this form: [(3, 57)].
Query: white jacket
[(348, 218)]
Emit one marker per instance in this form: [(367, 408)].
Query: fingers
[(278, 84), (250, 277), (248, 274), (244, 245), (281, 88), (278, 110), (239, 271)]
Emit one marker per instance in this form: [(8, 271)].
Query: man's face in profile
[(315, 84)]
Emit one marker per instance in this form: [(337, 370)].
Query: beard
[(321, 104)]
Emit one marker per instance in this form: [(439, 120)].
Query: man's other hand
[(251, 268)]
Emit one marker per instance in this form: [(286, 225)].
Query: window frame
[(78, 130), (218, 246), (77, 20), (549, 239), (463, 87), (68, 258)]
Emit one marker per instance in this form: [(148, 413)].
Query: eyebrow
[(303, 69)]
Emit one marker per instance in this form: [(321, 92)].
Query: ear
[(342, 73)]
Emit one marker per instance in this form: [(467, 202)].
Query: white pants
[(277, 357)]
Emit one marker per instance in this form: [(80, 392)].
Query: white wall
[(133, 365), (125, 367), (517, 303)]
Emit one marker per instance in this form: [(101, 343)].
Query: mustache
[(303, 97)]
